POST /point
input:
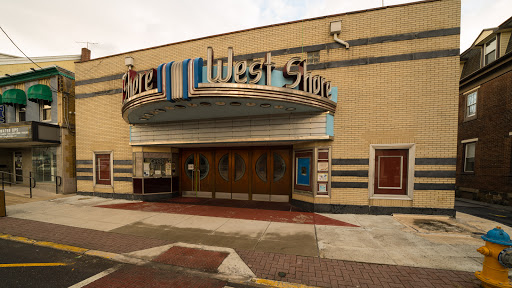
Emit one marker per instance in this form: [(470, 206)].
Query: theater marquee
[(249, 84)]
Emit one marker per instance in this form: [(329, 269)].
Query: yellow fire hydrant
[(498, 258)]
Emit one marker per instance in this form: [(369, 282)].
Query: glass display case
[(155, 172)]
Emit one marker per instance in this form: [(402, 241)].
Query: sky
[(53, 27)]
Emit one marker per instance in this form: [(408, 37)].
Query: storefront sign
[(2, 113), (15, 132), (175, 79), (136, 83), (295, 69)]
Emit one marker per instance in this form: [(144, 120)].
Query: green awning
[(1, 99), (14, 96), (40, 92)]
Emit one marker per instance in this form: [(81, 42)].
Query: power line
[(19, 48), (54, 90)]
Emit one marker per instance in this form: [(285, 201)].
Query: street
[(496, 213), (25, 265), (35, 266)]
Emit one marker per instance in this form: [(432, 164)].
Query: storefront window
[(44, 163), (158, 165)]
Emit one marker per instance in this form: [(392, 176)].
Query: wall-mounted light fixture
[(335, 30), (128, 61)]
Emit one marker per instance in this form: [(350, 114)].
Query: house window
[(490, 51), (45, 111), (103, 168), (471, 104), (469, 157), (314, 57), (20, 113)]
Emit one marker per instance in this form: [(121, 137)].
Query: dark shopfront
[(29, 147)]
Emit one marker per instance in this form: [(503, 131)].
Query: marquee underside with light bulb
[(188, 90)]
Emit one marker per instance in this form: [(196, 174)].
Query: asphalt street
[(500, 214), (25, 265)]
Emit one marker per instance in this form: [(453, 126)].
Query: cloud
[(52, 27)]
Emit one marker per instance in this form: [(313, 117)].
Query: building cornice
[(35, 75)]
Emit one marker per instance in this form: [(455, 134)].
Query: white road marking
[(95, 277)]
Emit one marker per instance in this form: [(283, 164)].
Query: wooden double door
[(255, 173)]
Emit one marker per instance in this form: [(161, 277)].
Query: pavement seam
[(316, 241), (262, 235)]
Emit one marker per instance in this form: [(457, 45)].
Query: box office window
[(469, 157), (391, 169), (103, 168)]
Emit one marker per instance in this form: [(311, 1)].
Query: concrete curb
[(279, 284), (74, 249), (137, 261)]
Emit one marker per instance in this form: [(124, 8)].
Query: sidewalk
[(328, 250), (19, 194)]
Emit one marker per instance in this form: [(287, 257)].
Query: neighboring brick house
[(484, 153), (368, 125), (37, 121)]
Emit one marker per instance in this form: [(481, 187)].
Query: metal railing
[(58, 181)]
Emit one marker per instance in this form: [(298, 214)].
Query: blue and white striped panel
[(176, 81)]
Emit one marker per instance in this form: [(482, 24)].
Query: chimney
[(86, 55)]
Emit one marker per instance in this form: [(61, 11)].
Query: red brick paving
[(81, 237), (223, 208), (199, 259), (298, 269), (137, 276), (337, 273)]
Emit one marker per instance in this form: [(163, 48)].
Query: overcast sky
[(52, 27)]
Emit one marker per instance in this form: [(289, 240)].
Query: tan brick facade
[(394, 101)]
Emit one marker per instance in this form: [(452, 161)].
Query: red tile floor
[(237, 209)]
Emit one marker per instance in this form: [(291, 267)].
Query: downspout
[(341, 41)]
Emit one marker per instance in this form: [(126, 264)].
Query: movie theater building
[(347, 113)]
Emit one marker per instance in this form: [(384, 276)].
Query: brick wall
[(399, 101), (492, 178)]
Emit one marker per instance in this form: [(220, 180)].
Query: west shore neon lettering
[(239, 72)]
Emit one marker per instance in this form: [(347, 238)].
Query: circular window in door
[(189, 161), (224, 167), (239, 167), (204, 167), (279, 167), (261, 167)]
